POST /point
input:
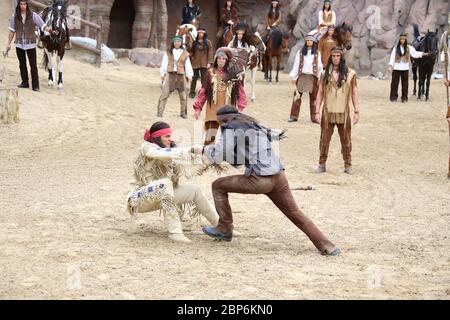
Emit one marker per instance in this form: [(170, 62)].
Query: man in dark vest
[(175, 68), (22, 26)]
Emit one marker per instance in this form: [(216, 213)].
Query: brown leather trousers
[(277, 189), (345, 134)]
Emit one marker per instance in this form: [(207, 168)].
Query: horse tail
[(416, 31), (45, 60), (277, 39)]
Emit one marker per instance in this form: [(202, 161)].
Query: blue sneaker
[(214, 233)]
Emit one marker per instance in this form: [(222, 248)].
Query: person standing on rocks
[(337, 86), (175, 69), (399, 66), (202, 56)]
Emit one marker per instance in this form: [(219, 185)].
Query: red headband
[(156, 134)]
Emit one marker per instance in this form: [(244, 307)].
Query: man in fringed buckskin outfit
[(336, 88), (156, 185)]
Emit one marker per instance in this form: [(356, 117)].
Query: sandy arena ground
[(64, 173)]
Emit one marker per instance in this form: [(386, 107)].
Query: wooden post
[(88, 17), (164, 17), (99, 42), (154, 24)]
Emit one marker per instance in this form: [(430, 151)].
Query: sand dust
[(64, 173)]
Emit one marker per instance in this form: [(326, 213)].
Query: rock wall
[(377, 25)]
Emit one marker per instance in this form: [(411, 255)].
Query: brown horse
[(228, 35), (189, 34), (343, 35), (277, 45)]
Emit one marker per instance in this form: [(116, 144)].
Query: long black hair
[(277, 12), (244, 40), (323, 8), (405, 47), (205, 43), (343, 70), (159, 126), (18, 15), (313, 49)]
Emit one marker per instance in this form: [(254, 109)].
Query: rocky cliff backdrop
[(377, 23)]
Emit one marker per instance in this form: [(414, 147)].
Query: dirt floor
[(65, 169)]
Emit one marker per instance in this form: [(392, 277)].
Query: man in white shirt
[(399, 66), (305, 76), (175, 69)]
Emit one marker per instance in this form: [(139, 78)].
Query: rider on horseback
[(327, 16), (273, 19), (191, 12), (228, 17), (239, 40)]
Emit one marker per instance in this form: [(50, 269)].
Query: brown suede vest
[(405, 58), (28, 28), (327, 18), (315, 61), (180, 62)]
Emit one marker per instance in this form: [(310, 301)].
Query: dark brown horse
[(228, 35), (277, 45), (425, 65)]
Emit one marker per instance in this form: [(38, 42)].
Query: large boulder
[(82, 54), (148, 57)]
